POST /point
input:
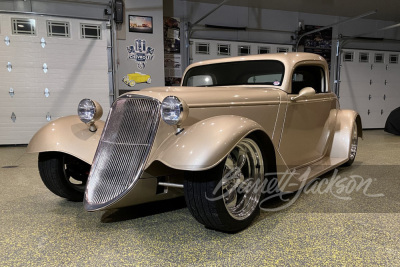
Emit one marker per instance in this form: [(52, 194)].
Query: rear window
[(255, 72)]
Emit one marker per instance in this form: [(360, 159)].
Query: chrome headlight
[(89, 111), (174, 110)]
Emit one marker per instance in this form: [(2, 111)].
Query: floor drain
[(10, 167)]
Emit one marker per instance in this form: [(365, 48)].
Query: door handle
[(369, 111), (384, 97), (370, 82), (386, 82), (381, 111), (369, 97)]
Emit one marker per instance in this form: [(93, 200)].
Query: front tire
[(64, 175), (226, 197)]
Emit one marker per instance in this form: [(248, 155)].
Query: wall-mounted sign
[(140, 53), (141, 24)]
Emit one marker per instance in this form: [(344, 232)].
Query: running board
[(298, 178)]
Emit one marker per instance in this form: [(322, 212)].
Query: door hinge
[(7, 40), (46, 92), (43, 42), (13, 117), (45, 68)]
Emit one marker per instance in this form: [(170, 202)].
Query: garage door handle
[(369, 97), (386, 82), (384, 97), (369, 111), (381, 111), (370, 82), (9, 66)]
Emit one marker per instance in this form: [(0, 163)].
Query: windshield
[(253, 72)]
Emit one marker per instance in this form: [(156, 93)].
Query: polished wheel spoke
[(242, 159), (243, 166)]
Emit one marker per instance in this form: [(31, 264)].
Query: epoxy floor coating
[(322, 226)]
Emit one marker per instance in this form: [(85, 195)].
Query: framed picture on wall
[(141, 24)]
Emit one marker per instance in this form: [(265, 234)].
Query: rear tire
[(223, 198), (64, 175)]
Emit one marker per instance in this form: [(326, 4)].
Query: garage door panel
[(375, 100), (76, 69)]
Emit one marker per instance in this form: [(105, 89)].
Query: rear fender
[(68, 135), (342, 135)]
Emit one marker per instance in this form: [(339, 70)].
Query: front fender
[(68, 135), (204, 144), (342, 135)]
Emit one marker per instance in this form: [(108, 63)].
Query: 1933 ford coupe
[(232, 125)]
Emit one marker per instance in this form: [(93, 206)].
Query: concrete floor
[(39, 228)]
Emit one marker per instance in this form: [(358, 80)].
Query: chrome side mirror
[(305, 92)]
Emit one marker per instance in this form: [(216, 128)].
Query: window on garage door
[(23, 26), (90, 31), (58, 29)]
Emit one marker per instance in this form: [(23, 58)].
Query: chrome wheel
[(242, 178), (354, 143), (227, 196)]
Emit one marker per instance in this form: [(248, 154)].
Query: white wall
[(154, 67), (276, 20)]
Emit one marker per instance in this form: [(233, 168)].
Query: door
[(307, 125)]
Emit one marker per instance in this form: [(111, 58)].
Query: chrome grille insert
[(123, 149)]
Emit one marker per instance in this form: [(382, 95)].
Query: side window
[(308, 76), (200, 80)]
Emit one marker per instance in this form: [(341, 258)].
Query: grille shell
[(123, 149)]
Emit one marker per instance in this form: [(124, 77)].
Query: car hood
[(216, 96)]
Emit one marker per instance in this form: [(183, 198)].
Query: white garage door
[(202, 49), (370, 84), (47, 65)]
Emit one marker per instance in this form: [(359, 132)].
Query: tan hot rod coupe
[(232, 125)]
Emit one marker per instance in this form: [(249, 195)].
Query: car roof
[(286, 58)]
